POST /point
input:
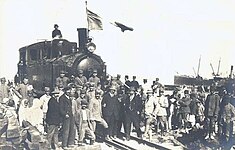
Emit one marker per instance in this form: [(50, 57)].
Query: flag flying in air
[(122, 26), (94, 21)]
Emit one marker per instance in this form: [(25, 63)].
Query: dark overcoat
[(53, 116)]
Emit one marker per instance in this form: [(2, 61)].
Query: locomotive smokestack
[(82, 38)]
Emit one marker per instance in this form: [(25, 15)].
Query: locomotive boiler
[(42, 62)]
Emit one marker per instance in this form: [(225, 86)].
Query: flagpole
[(87, 20)]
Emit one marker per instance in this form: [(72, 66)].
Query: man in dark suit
[(53, 119), (132, 108), (68, 126), (110, 112)]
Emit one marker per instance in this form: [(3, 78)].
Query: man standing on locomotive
[(56, 33)]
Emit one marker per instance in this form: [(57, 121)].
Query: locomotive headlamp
[(91, 47)]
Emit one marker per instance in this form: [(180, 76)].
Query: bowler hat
[(84, 102)]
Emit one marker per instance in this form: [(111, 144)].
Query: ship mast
[(218, 67), (198, 68)]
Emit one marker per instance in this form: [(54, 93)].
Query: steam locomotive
[(42, 62)]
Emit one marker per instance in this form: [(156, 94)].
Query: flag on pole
[(94, 21)]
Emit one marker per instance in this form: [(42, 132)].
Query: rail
[(115, 144)]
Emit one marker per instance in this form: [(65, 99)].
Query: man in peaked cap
[(80, 80), (62, 80), (94, 78)]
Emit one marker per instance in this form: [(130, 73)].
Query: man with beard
[(132, 113)]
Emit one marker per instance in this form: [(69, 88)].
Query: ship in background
[(197, 80)]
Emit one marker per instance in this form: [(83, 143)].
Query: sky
[(169, 36)]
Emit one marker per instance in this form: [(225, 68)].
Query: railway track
[(134, 144), (116, 144)]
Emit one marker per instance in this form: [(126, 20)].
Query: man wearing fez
[(68, 122)]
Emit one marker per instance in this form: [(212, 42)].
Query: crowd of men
[(81, 107)]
